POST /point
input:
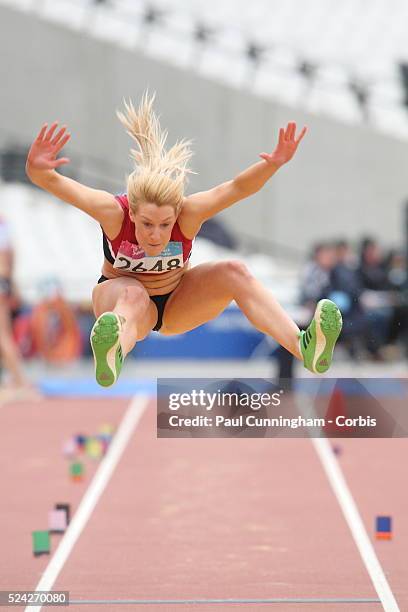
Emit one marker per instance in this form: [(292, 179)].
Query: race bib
[(132, 258)]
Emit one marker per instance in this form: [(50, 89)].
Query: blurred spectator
[(397, 276), (396, 270), (316, 277), (371, 292), (344, 275), (376, 298), (372, 270), (9, 352), (346, 290)]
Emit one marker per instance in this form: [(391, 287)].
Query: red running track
[(184, 519)]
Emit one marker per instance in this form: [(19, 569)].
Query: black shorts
[(158, 300)]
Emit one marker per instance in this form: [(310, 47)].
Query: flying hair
[(160, 175)]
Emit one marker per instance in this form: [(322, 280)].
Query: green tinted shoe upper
[(317, 342), (106, 348)]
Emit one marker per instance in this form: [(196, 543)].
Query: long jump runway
[(199, 524)]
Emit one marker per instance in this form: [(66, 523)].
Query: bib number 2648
[(158, 266)]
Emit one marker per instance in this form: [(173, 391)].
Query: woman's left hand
[(287, 145)]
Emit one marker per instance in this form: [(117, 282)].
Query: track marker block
[(69, 448), (67, 509), (80, 441), (105, 441), (94, 448), (76, 471), (383, 528), (57, 521), (107, 429), (41, 543)]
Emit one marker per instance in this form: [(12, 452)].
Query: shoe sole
[(328, 328), (105, 343)]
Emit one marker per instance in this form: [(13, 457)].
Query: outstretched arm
[(41, 168), (201, 206)]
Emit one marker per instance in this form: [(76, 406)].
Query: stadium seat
[(364, 42)]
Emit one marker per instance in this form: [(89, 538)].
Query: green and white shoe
[(317, 342), (106, 348)]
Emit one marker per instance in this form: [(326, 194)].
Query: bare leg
[(266, 314), (206, 290), (129, 299)]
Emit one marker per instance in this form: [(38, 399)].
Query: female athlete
[(147, 283)]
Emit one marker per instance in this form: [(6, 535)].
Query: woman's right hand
[(42, 156)]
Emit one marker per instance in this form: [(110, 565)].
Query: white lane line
[(92, 495), (173, 602), (353, 519)]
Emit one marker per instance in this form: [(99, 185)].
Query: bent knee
[(135, 294), (106, 295), (234, 269)]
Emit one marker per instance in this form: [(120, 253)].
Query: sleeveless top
[(124, 252)]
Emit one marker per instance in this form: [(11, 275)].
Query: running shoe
[(106, 348), (317, 342)]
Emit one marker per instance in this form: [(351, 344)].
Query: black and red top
[(124, 252)]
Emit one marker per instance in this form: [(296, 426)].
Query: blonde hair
[(159, 176)]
